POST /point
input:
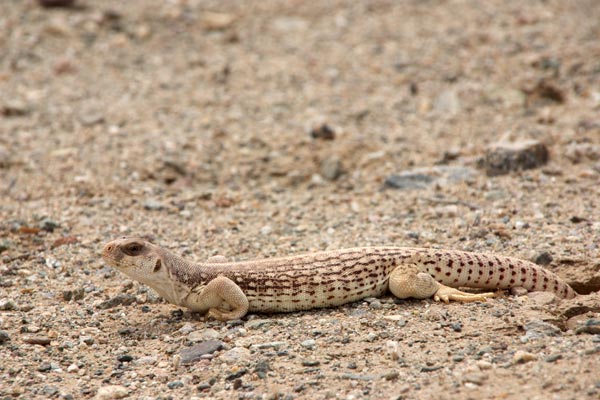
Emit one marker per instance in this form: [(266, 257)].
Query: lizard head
[(136, 257)]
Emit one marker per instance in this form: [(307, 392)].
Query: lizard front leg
[(407, 281), (216, 292)]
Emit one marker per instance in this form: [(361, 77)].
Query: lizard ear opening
[(157, 266)]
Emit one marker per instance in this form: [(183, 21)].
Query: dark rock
[(48, 225), (503, 158), (50, 390), (190, 355), (310, 363), (323, 132), (408, 180), (591, 326), (237, 374), (76, 294), (175, 384), (125, 358), (544, 258), (4, 337), (575, 219), (120, 299), (261, 368), (45, 367), (56, 3)]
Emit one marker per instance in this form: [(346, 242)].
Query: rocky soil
[(255, 129)]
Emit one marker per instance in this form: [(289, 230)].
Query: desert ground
[(271, 128)]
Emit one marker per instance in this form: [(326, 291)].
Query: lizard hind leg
[(407, 281)]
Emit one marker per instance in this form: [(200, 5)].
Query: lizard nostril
[(109, 247)]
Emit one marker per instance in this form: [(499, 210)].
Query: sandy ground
[(255, 129)]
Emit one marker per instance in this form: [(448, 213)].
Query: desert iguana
[(229, 290)]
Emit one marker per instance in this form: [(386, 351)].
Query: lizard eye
[(133, 249), (157, 266)]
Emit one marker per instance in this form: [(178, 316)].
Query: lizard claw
[(445, 294)]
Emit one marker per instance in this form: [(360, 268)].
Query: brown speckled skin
[(325, 279)]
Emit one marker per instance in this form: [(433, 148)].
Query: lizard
[(229, 290)]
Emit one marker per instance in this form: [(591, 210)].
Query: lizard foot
[(446, 293), (223, 315)]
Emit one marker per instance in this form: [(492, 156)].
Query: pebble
[(125, 358), (259, 323), (76, 294), (175, 385), (190, 355), (207, 334), (5, 158), (7, 305), (331, 168), (477, 378), (56, 3), (309, 344), (521, 357), (40, 340), (311, 363), (544, 258), (581, 152), (267, 345), (392, 350), (48, 225), (447, 103), (123, 299), (542, 298), (111, 392), (538, 329), (591, 326), (4, 337), (322, 131), (216, 21), (504, 157), (72, 368), (235, 355), (14, 108), (153, 205), (408, 180)]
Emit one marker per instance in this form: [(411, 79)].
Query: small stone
[(48, 225), (5, 159), (309, 344), (4, 337), (14, 108), (538, 329), (50, 390), (259, 323), (553, 358), (503, 158), (175, 385), (56, 3), (111, 392), (7, 305), (582, 152), (125, 358), (408, 180), (72, 368), (261, 368), (391, 376), (216, 21), (40, 340), (542, 298), (331, 168), (267, 345), (123, 299), (322, 131), (235, 355), (190, 355), (45, 367), (89, 340), (310, 363), (447, 103), (153, 205), (477, 378), (591, 326), (76, 294), (456, 326), (376, 305), (392, 350), (544, 258), (200, 336), (237, 374), (521, 357)]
